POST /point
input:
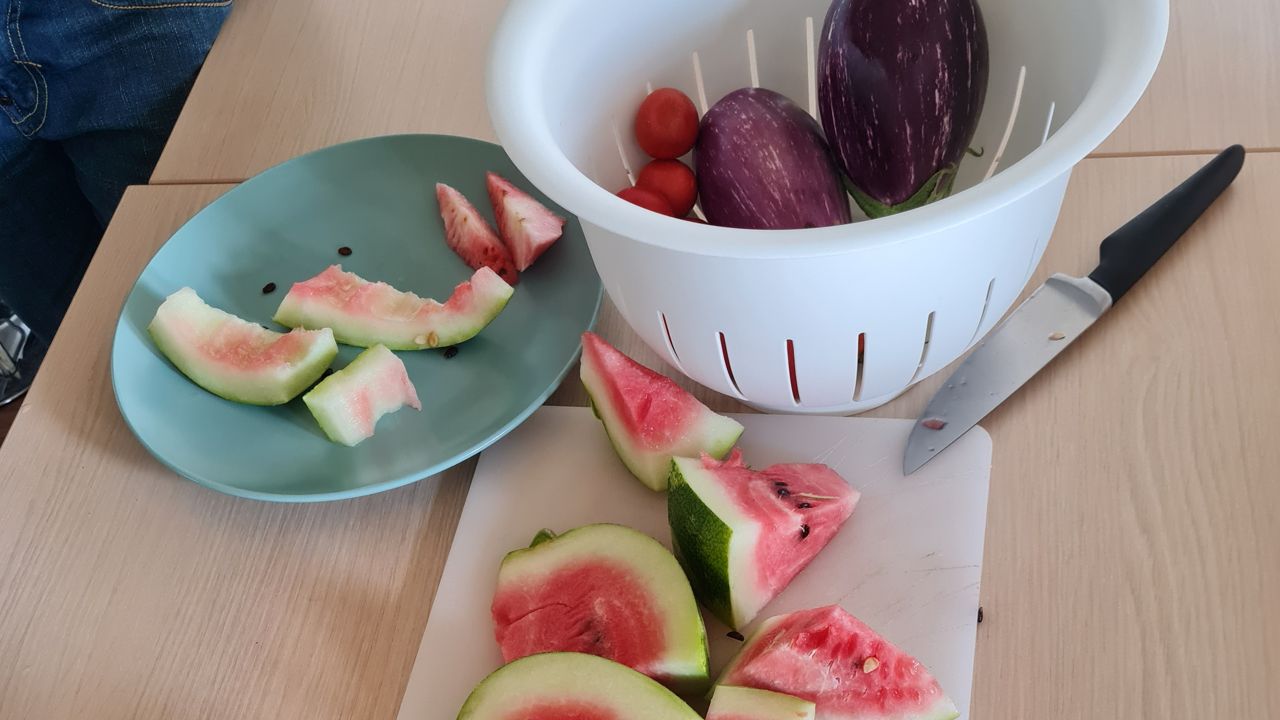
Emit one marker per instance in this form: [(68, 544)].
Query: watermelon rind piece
[(350, 402), (741, 703), (718, 542), (554, 685), (837, 654), (364, 313), (683, 665), (699, 430), (236, 359)]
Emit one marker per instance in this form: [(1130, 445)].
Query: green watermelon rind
[(573, 676), (447, 329), (718, 436), (744, 702), (300, 376), (688, 662), (715, 555), (327, 401)]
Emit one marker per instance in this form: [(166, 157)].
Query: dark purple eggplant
[(900, 89), (762, 163)]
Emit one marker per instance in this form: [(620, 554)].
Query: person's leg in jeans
[(89, 90)]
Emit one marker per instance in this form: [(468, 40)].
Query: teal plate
[(377, 197)]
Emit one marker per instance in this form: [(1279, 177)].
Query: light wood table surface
[(290, 76), (1132, 555)]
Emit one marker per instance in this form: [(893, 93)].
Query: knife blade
[(1060, 311)]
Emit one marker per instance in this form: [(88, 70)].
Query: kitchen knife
[(1060, 310)]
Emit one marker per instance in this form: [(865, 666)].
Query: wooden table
[(1133, 559), (289, 76)]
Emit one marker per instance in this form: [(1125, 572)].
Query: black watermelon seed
[(268, 288), (804, 531), (979, 613), (344, 251), (327, 372), (779, 483), (736, 635), (783, 492), (450, 351), (804, 506)]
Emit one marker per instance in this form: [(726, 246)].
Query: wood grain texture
[(290, 76), (127, 592), (1217, 83), (1132, 558)]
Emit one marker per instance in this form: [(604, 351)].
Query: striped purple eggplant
[(900, 89), (762, 163)]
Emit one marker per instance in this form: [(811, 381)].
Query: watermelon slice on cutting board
[(605, 590), (364, 313), (739, 703), (525, 225), (742, 535), (649, 418), (571, 686), (848, 670), (237, 359), (349, 403)]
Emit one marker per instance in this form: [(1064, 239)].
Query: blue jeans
[(89, 90)]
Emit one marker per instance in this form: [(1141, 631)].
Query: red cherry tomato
[(672, 180), (646, 199), (666, 124)]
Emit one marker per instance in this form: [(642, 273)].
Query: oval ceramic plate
[(377, 197)]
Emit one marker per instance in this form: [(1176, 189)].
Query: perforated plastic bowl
[(774, 317)]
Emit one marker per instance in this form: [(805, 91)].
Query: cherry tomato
[(672, 180), (646, 199), (666, 124)]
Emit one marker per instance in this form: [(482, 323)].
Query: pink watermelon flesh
[(564, 710), (365, 313), (648, 416), (471, 237), (603, 590), (831, 658), (527, 227), (743, 535)]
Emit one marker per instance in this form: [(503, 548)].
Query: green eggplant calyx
[(935, 188)]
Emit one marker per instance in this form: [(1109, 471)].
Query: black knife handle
[(1128, 253)]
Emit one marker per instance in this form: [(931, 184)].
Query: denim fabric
[(89, 90)]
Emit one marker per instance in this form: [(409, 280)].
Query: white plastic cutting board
[(907, 563)]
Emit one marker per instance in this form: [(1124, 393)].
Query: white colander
[(774, 317)]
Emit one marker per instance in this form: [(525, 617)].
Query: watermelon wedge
[(571, 686), (364, 313), (739, 703), (349, 403), (234, 358), (742, 535), (830, 657), (648, 417), (472, 237), (526, 226), (605, 590)]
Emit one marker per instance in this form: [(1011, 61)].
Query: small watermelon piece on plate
[(571, 686), (349, 403), (470, 236), (739, 703), (364, 313), (849, 671), (605, 590), (526, 226), (237, 359), (742, 535), (649, 418)]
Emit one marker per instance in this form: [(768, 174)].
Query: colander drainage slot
[(671, 345), (728, 366), (1008, 129), (857, 380), (924, 351), (622, 153), (697, 79), (751, 58), (791, 368), (983, 316)]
